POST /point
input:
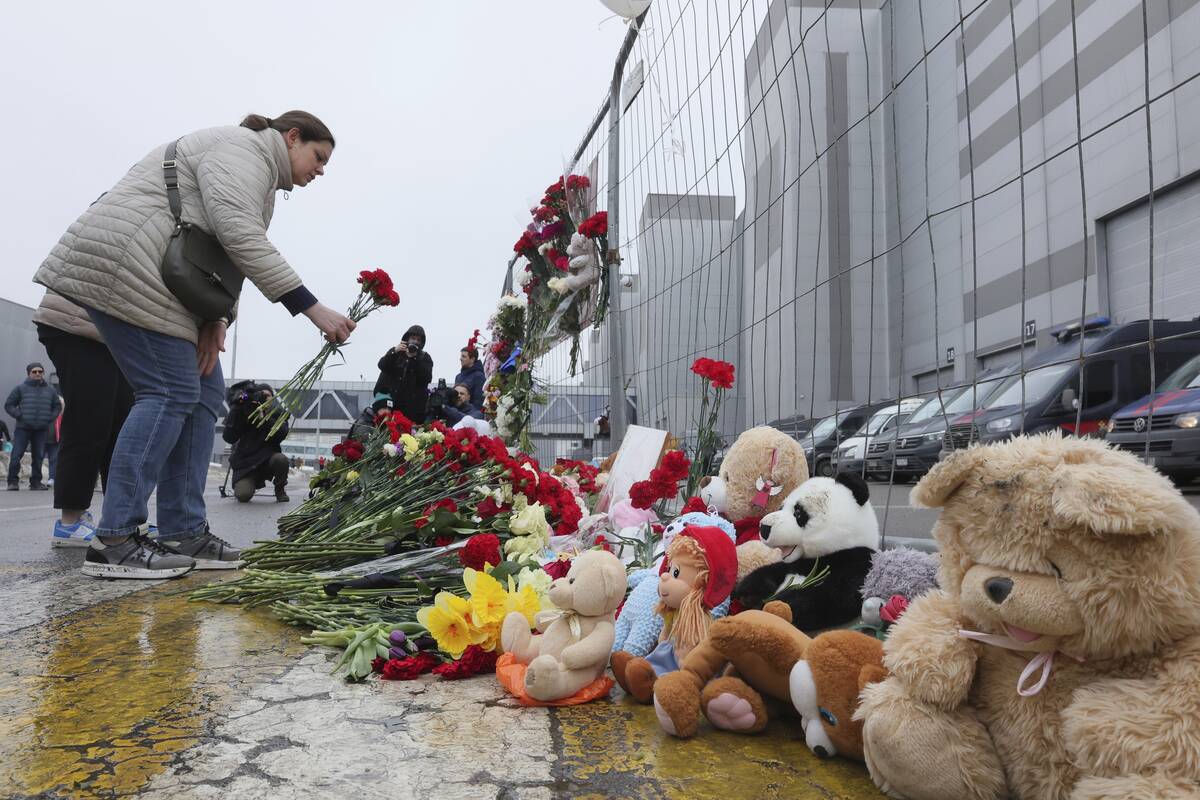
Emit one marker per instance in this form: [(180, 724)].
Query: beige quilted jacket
[(59, 312), (110, 258)]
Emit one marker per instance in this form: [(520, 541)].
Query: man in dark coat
[(35, 405), (256, 457), (404, 375), (471, 375)]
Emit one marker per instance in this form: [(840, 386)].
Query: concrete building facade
[(907, 222)]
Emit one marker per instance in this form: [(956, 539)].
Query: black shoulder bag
[(195, 268)]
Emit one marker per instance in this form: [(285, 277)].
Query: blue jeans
[(167, 439), (25, 438)]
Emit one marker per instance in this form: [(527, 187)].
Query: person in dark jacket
[(34, 404), (404, 375), (471, 375), (256, 457), (463, 408)]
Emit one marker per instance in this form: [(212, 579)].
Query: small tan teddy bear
[(572, 647), (1061, 656)]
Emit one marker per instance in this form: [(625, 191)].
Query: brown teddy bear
[(762, 653), (761, 468), (1061, 657), (572, 646)]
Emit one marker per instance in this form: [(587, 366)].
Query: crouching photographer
[(452, 403), (256, 457)]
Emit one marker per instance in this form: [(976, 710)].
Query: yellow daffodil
[(487, 598), (525, 601), (446, 621)]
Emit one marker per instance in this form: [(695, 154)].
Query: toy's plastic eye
[(675, 572), (828, 716), (570, 580)]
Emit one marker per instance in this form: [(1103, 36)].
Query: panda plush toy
[(824, 523)]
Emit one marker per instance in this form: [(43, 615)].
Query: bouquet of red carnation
[(376, 291), (719, 376), (664, 480), (349, 449), (595, 226)]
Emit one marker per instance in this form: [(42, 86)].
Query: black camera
[(412, 346), (248, 393), (442, 396)]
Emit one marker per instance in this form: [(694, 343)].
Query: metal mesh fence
[(867, 205)]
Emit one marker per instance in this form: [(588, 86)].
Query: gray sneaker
[(137, 557), (209, 551)]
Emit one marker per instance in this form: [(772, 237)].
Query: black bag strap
[(171, 179)]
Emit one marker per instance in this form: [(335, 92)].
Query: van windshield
[(933, 406), (876, 422), (973, 398), (826, 427), (1038, 385), (1186, 377)]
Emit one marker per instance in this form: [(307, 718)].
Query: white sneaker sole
[(206, 563), (131, 573), (56, 542)]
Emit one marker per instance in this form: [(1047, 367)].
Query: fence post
[(617, 418)]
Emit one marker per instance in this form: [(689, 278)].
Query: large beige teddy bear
[(572, 646), (761, 468), (1061, 657)]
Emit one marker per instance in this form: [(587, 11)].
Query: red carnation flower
[(643, 494), (675, 465), (474, 661), (558, 568), (481, 549), (694, 504), (350, 449), (526, 242), (408, 669), (578, 182), (443, 540), (562, 263), (595, 226)]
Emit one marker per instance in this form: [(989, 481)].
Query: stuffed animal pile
[(1061, 656)]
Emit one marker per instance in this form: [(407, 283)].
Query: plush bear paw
[(677, 704), (515, 635), (731, 705), (913, 749)]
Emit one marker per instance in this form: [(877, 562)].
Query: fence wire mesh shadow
[(990, 206)]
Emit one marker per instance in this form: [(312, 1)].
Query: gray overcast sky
[(451, 117)]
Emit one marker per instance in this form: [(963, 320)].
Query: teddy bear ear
[(943, 480), (1122, 498), (871, 673)]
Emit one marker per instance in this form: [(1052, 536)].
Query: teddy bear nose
[(764, 530), (998, 589), (820, 752)]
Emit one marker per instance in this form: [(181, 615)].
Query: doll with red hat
[(698, 574)]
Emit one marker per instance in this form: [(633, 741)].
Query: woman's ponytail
[(311, 129)]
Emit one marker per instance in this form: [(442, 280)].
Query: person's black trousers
[(97, 399)]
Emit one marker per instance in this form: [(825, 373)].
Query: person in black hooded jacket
[(404, 374)]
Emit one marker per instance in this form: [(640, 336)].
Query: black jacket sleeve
[(235, 425), (389, 362)]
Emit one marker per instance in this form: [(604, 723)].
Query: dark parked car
[(1164, 429), (919, 441), (1056, 391), (827, 435)]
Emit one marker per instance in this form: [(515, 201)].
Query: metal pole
[(617, 418), (233, 366)]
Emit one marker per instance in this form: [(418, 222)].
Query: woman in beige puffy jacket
[(109, 263)]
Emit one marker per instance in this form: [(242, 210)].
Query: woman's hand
[(335, 326), (209, 345)]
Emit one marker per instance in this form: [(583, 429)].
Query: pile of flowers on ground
[(409, 517)]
